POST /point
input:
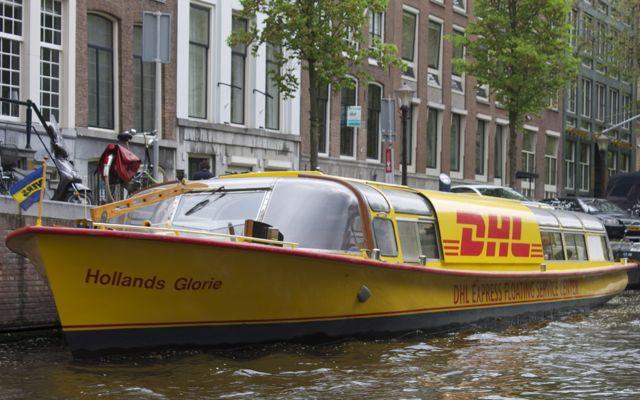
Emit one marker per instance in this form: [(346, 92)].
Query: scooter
[(70, 187)]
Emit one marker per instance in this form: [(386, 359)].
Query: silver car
[(504, 192)]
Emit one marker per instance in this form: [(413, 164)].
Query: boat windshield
[(217, 211), (316, 214)]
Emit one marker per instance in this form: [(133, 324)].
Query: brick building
[(81, 61), (455, 126)]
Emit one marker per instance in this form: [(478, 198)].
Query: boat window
[(590, 222), (575, 245), (608, 255), (376, 200), (408, 233), (552, 245), (567, 219), (545, 217), (417, 238), (598, 250), (218, 210), (316, 214), (385, 237), (406, 202)]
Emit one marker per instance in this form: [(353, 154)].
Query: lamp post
[(602, 141), (405, 96)]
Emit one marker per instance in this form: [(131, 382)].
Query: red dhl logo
[(501, 238)]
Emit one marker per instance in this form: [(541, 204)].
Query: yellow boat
[(265, 257)]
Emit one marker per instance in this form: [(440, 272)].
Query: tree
[(522, 50), (326, 36)]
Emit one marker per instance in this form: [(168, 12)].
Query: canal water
[(588, 356)]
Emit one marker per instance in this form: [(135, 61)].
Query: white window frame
[(612, 171), (586, 95), (625, 160), (23, 51), (571, 161), (458, 9), (484, 87), (626, 110), (354, 131), (439, 116), (548, 188), (382, 24), (461, 80), (614, 106), (432, 71), (327, 127), (503, 147), (572, 98), (61, 61), (116, 74), (413, 64), (601, 102), (529, 186), (375, 160), (584, 168), (463, 125), (485, 155)]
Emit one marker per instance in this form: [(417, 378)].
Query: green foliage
[(326, 35), (520, 48), (623, 39)]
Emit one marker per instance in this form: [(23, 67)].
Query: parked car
[(496, 191), (619, 223), (624, 190)]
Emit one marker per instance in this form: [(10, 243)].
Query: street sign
[(156, 37), (354, 116), (388, 119), (388, 166)]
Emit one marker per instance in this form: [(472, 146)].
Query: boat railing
[(181, 231)]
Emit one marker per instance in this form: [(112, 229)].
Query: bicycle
[(118, 176), (8, 164)]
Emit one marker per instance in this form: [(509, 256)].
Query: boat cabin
[(364, 219)]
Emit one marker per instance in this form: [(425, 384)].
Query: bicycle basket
[(124, 166)]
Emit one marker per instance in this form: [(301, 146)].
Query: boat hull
[(118, 291)]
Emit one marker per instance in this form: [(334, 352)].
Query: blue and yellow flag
[(28, 191)]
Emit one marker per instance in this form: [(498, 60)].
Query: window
[(550, 165), (272, 92), (417, 239), (238, 63), (569, 164), (384, 236), (482, 91), (586, 98), (598, 249), (433, 139), (198, 61), (144, 74), (433, 54), (624, 162), (553, 102), (614, 113), (323, 115), (456, 75), (585, 153), (481, 133), (10, 43), (573, 20), (347, 133), (498, 158), (587, 37), (409, 28), (528, 151), (376, 26), (612, 162), (408, 133), (601, 102), (552, 245), (100, 64), (50, 57), (373, 121), (575, 246), (626, 110), (456, 130), (572, 98), (460, 4)]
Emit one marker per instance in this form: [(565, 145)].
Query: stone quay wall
[(25, 298)]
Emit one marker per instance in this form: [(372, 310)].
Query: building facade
[(81, 62), (455, 126), (598, 99)]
